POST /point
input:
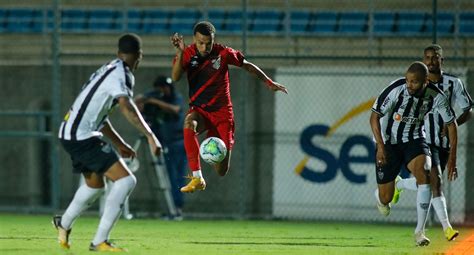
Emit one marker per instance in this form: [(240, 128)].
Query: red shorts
[(218, 124)]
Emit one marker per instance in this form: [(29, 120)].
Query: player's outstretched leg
[(63, 234), (191, 145)]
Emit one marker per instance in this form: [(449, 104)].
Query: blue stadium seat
[(410, 23), (20, 20), (466, 23), (41, 20), (325, 22), (444, 23), (384, 23), (74, 20), (135, 21), (233, 23), (353, 22), (183, 21), (266, 21), (156, 21), (217, 17), (299, 21), (102, 20)]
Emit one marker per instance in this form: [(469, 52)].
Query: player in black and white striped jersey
[(81, 132), (397, 124), (436, 134)]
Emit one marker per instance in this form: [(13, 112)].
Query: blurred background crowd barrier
[(306, 155)]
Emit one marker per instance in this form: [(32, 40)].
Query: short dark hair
[(204, 28), (419, 68), (130, 43), (436, 48)]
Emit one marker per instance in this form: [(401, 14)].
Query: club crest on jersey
[(216, 63), (194, 61)]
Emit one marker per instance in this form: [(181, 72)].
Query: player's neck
[(434, 77)]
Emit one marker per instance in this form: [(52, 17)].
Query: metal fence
[(333, 60)]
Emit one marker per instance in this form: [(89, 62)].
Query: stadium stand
[(300, 21), (268, 21), (466, 23), (183, 20), (384, 23), (353, 22), (445, 23), (325, 22), (103, 20), (218, 17), (410, 22), (260, 21)]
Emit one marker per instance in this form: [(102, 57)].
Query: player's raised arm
[(178, 43), (255, 70), (129, 109)]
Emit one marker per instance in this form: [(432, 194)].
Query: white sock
[(423, 198), (408, 183), (439, 204), (113, 207), (197, 173), (82, 200)]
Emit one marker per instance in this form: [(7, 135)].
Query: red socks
[(191, 145)]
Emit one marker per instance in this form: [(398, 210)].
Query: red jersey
[(208, 77)]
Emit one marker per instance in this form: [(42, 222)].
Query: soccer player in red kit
[(207, 66)]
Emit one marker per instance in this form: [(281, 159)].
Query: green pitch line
[(33, 234)]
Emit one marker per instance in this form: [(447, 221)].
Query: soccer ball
[(213, 150)]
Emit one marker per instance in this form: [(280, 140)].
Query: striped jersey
[(96, 100), (458, 97), (208, 77), (403, 114)]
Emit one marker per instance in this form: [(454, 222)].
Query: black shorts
[(397, 156), (90, 155), (439, 157)]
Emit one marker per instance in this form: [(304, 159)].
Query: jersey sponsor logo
[(345, 160), (216, 63), (409, 120)]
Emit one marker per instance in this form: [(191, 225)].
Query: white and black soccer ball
[(213, 150)]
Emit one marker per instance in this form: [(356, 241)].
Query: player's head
[(416, 78), (164, 84), (203, 36), (130, 50), (433, 58)]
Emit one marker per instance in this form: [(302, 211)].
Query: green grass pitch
[(34, 234)]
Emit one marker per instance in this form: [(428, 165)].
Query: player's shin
[(423, 198), (121, 189), (191, 145)]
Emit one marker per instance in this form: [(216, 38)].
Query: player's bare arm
[(376, 130), (453, 143), (178, 43), (124, 149), (256, 71), (130, 111)]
